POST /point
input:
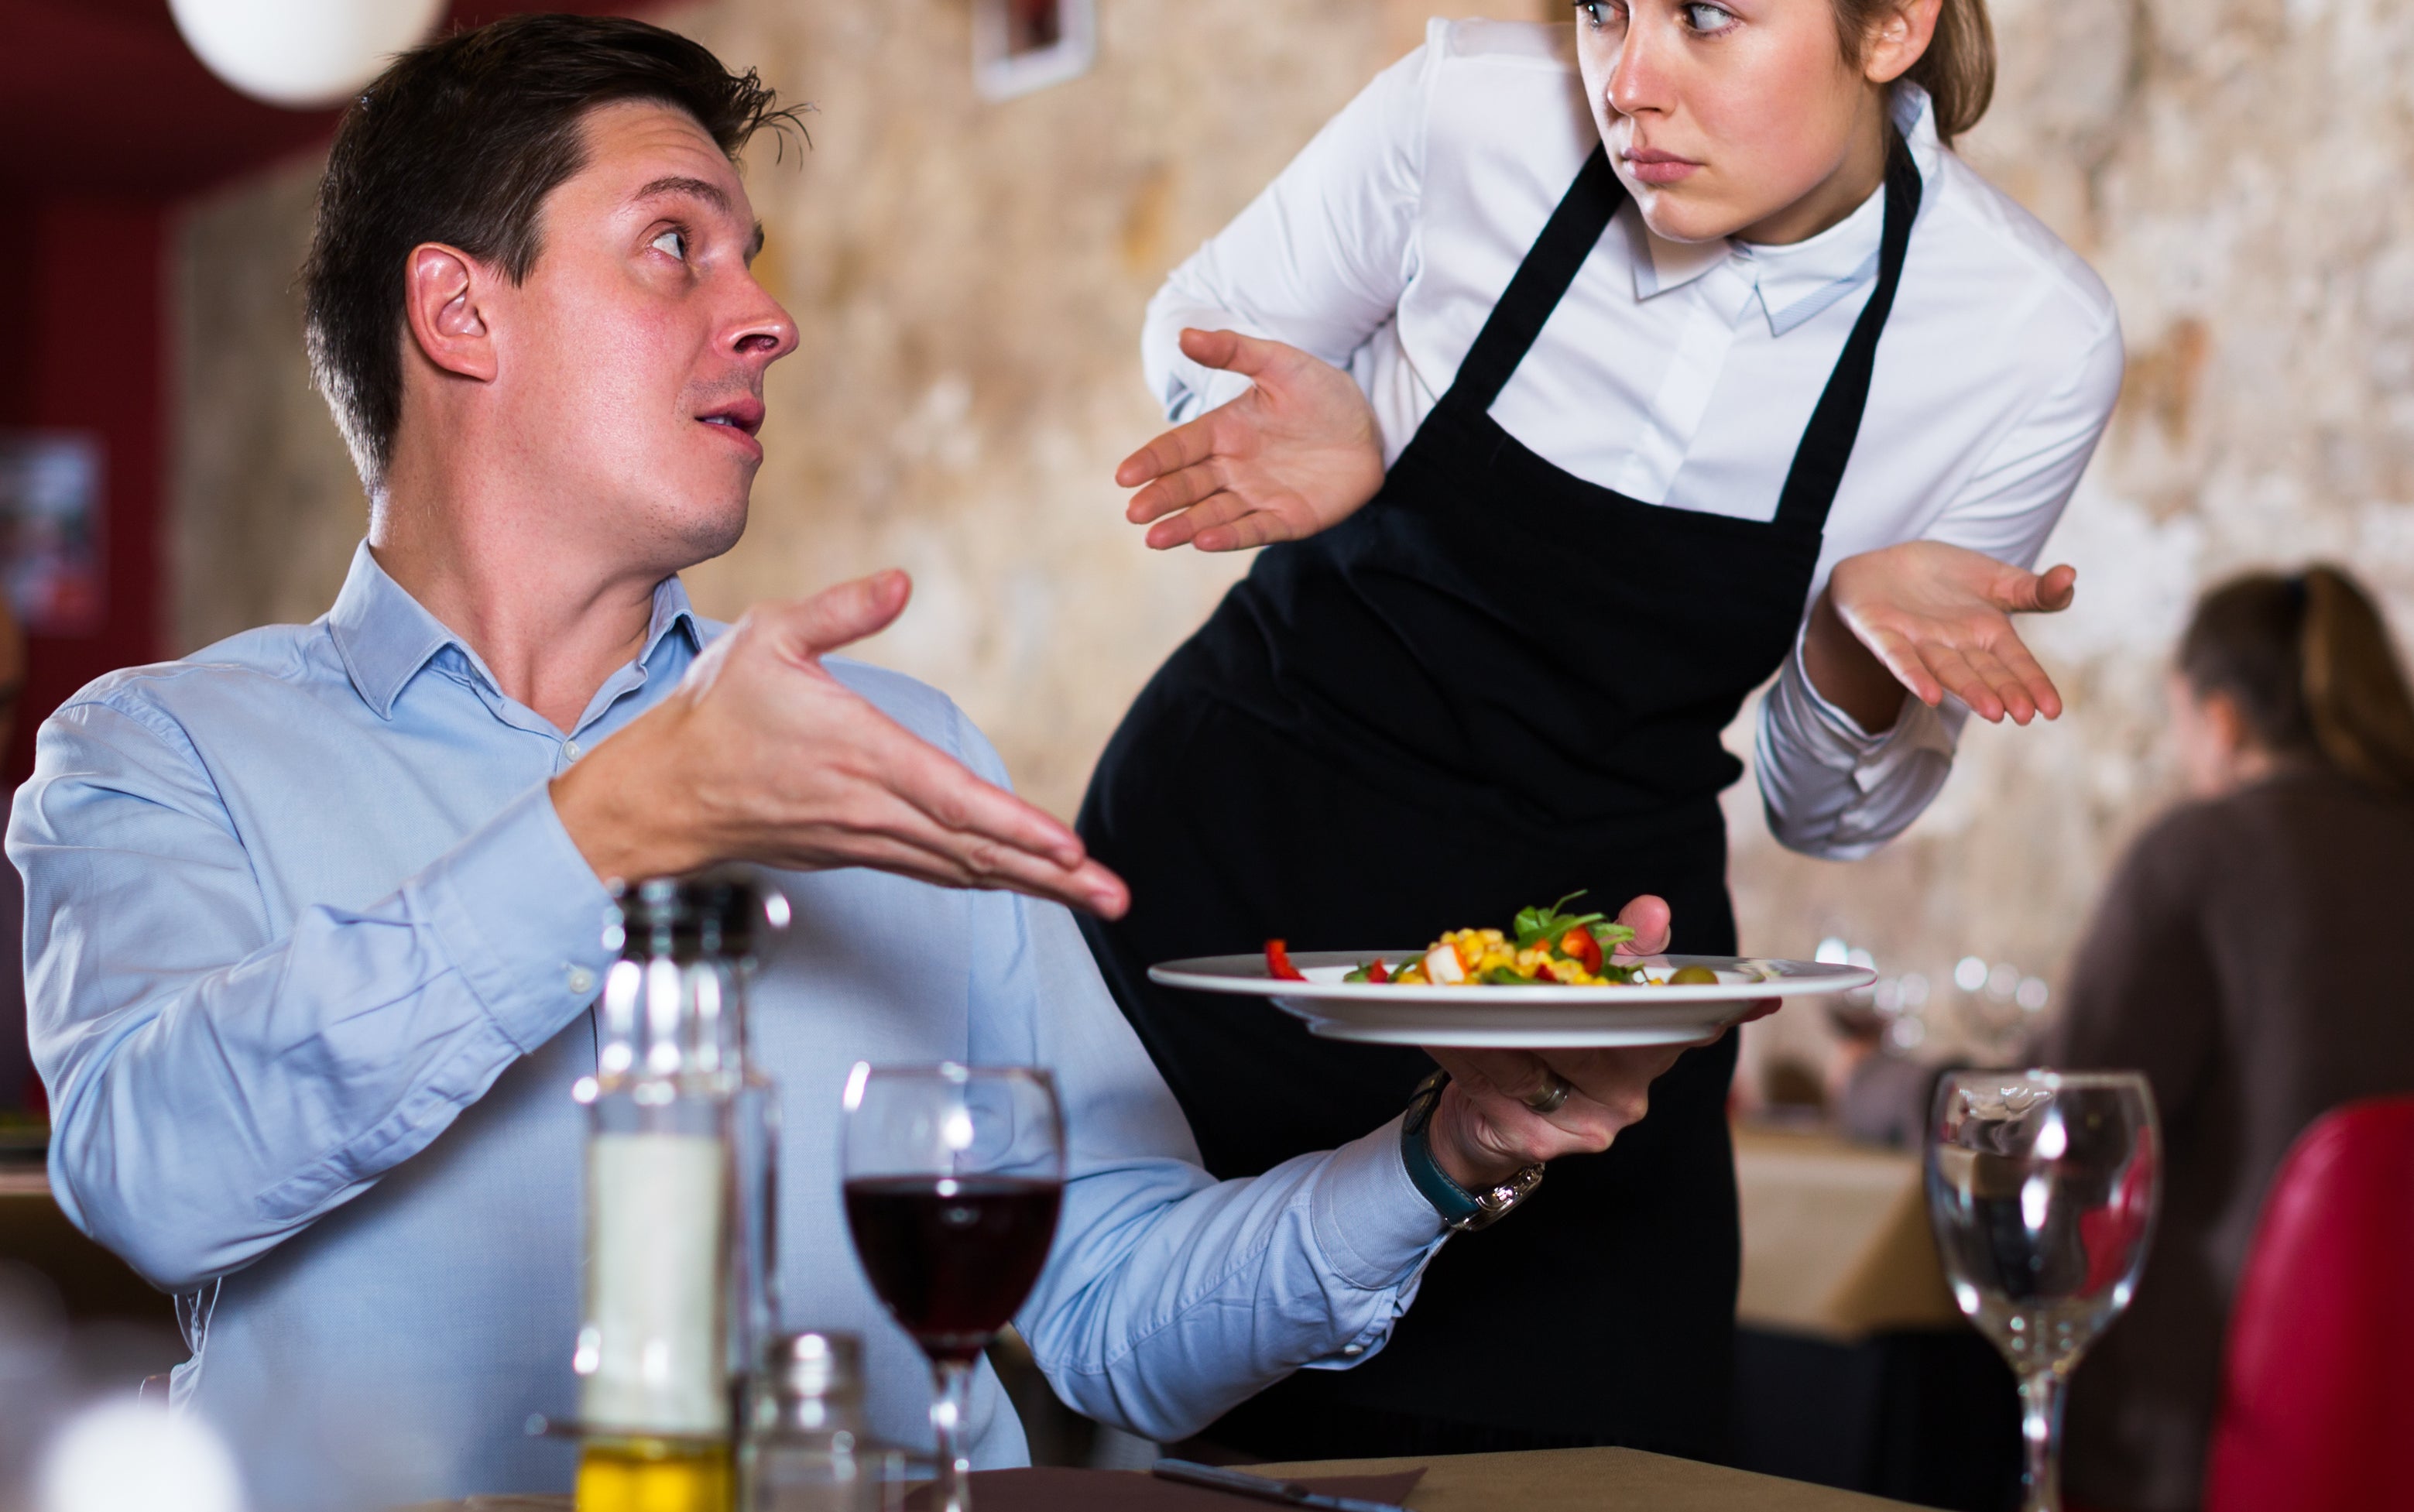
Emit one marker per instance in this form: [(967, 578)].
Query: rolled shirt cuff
[(1803, 719), (522, 916), (1373, 1224)]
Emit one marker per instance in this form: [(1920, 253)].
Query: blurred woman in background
[(2244, 959)]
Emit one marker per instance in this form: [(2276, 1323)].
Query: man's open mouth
[(743, 415)]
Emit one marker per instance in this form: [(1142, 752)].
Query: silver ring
[(1549, 1099)]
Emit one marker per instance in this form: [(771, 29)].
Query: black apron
[(1494, 684)]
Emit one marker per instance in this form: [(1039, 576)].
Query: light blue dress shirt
[(309, 960)]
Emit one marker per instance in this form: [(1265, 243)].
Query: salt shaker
[(810, 1448)]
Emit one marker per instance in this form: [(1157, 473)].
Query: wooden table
[(1539, 1481), (1590, 1480)]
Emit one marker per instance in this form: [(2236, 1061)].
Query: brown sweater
[(2250, 958)]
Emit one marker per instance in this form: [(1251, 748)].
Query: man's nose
[(763, 330)]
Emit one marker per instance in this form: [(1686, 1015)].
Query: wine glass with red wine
[(953, 1176)]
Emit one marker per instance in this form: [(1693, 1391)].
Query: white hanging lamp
[(301, 54)]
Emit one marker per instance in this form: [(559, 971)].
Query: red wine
[(952, 1257)]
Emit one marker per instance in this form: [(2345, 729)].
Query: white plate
[(1511, 1017)]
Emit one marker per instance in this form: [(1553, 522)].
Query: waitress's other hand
[(1936, 619), (1483, 1131), (1296, 455)]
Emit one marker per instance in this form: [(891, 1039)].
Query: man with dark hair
[(318, 909)]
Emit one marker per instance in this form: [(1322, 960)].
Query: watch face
[(1501, 1200)]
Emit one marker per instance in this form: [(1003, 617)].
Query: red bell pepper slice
[(1579, 946), (1376, 971), (1278, 964)]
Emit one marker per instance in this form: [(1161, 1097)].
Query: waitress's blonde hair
[(1958, 70), (2308, 661)]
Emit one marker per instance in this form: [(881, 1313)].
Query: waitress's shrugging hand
[(1483, 1132), (761, 754), (1296, 455), (1936, 619)]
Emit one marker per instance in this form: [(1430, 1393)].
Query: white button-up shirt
[(1679, 375)]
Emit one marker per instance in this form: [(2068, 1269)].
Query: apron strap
[(1826, 446), (1576, 226), (1574, 229)]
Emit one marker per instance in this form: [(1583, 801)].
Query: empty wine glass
[(2042, 1187), (953, 1176)]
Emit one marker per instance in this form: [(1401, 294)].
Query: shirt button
[(1352, 1351), (570, 748), (582, 981)]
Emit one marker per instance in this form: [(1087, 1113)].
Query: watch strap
[(1462, 1211)]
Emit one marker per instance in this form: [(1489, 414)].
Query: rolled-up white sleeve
[(1318, 260), (1833, 789)]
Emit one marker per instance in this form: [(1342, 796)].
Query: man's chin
[(698, 531), (709, 539)]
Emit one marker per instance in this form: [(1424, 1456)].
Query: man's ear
[(440, 300), (1899, 39)]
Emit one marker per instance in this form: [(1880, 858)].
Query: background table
[(1836, 1243), (1852, 1367), (1541, 1480), (92, 1283)]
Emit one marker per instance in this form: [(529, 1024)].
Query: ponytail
[(2308, 661), (1958, 70), (2356, 698)]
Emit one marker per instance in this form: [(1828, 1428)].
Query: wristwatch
[(1462, 1211)]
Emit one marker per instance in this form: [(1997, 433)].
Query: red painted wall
[(82, 307)]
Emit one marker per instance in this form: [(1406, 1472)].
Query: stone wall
[(969, 279), (2233, 167)]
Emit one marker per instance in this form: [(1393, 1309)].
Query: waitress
[(1579, 384)]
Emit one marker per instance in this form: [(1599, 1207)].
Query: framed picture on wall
[(1022, 45), (50, 530)]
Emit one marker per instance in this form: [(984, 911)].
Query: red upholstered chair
[(2317, 1398)]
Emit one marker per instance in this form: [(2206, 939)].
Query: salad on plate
[(1542, 947)]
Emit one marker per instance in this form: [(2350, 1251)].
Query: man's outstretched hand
[(762, 755), (1482, 1131)]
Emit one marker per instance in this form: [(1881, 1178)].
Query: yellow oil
[(653, 1476)]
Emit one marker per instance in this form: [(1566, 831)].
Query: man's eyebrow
[(706, 190)]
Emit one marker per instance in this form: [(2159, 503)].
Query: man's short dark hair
[(460, 142)]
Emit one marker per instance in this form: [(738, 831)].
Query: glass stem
[(2041, 1393), (950, 1409)]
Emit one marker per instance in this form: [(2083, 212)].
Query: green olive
[(1692, 976)]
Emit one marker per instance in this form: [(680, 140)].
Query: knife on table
[(1287, 1493)]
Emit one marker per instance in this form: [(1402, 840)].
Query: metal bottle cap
[(719, 912)]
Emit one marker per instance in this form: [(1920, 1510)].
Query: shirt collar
[(386, 638), (1798, 280)]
